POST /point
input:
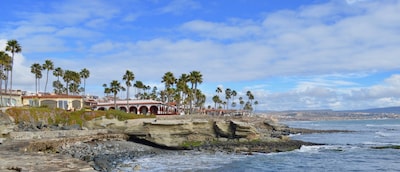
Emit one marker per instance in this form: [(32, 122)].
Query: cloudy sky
[(303, 54)]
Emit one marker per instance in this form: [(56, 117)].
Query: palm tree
[(218, 90), (241, 102), (228, 94), (128, 77), (106, 90), (74, 77), (182, 88), (115, 87), (48, 65), (255, 104), (13, 47), (169, 80), (138, 85), (201, 99), (58, 86), (195, 78), (215, 100), (36, 69), (153, 95), (5, 61), (84, 74), (234, 93), (58, 72)]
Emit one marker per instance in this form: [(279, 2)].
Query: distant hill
[(394, 109)]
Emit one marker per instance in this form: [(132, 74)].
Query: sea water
[(343, 151)]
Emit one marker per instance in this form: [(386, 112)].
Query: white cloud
[(178, 6), (76, 32), (43, 43), (21, 73), (309, 95), (237, 30), (310, 42)]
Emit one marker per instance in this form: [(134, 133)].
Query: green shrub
[(191, 144), (60, 116)]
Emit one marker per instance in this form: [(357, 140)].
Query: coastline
[(101, 151)]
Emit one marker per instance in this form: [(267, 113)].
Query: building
[(144, 107), (67, 102), (12, 98)]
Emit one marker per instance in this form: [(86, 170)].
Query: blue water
[(349, 151)]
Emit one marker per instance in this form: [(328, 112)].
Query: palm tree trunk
[(84, 87), (36, 86), (47, 79), (115, 101), (127, 100), (12, 66), (1, 91), (6, 83)]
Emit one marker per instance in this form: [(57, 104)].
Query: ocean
[(346, 151)]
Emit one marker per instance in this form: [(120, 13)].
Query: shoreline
[(64, 150)]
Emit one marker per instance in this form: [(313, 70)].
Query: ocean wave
[(180, 162), (386, 134), (383, 125), (292, 135), (322, 148)]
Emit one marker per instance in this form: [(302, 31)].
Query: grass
[(191, 144), (53, 116)]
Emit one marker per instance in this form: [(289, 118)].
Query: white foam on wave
[(309, 149), (322, 148), (385, 134), (291, 135), (181, 162), (384, 125)]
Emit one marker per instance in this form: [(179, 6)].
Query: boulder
[(244, 130), (177, 133), (6, 126), (223, 129)]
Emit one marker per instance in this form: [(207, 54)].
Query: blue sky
[(307, 54)]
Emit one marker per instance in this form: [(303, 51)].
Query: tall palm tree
[(115, 87), (169, 80), (255, 104), (201, 99), (215, 100), (36, 69), (58, 72), (182, 89), (228, 95), (250, 96), (84, 74), (58, 86), (128, 77), (138, 85), (241, 102), (48, 65), (106, 90), (5, 61), (71, 77), (234, 93), (13, 47), (195, 78), (218, 90)]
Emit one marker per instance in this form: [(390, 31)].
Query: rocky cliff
[(184, 133)]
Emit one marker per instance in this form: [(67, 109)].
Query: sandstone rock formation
[(178, 133)]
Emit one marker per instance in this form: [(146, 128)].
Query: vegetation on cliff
[(59, 116)]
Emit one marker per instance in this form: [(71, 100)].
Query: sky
[(292, 55)]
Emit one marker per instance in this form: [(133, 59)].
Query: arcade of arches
[(144, 109)]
